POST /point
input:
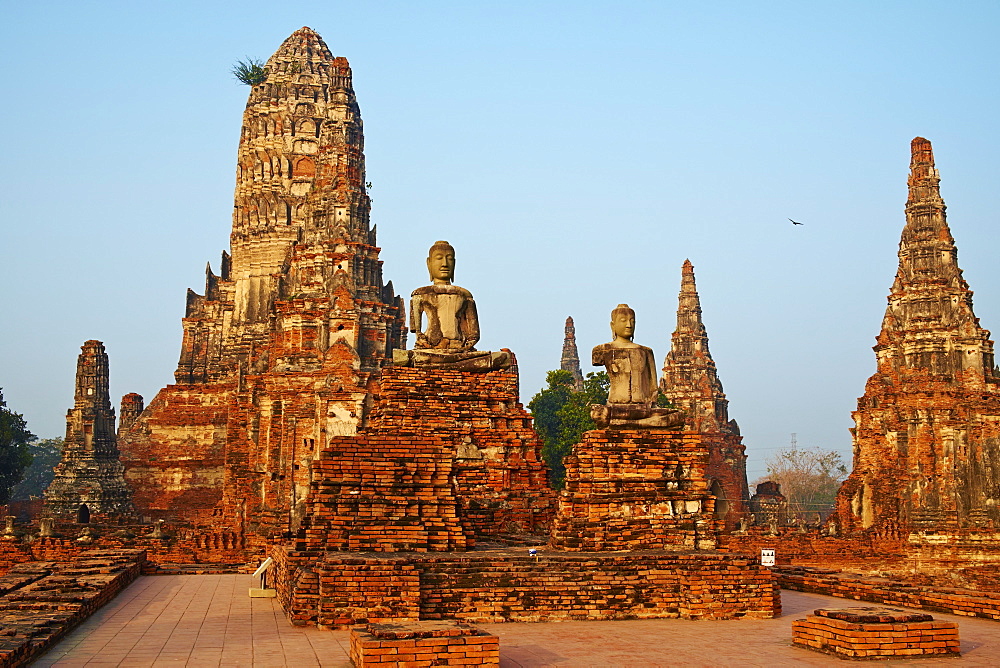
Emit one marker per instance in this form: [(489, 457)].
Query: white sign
[(767, 557)]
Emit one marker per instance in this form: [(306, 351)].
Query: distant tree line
[(15, 451)]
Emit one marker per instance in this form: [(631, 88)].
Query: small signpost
[(767, 557), (264, 591)]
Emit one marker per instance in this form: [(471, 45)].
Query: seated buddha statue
[(443, 316), (632, 372)]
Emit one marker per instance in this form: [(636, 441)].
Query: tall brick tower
[(570, 357), (89, 484), (279, 352), (927, 435), (691, 383)]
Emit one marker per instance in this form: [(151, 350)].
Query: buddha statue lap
[(633, 388), (444, 318)]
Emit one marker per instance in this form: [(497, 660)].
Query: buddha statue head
[(623, 322), (441, 263)]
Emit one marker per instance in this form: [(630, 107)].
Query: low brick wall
[(880, 590), (419, 644), (339, 589), (179, 546), (40, 602), (875, 633)]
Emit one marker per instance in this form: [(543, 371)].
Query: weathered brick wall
[(875, 633), (179, 545), (890, 592), (383, 493), (446, 456), (175, 455), (491, 586), (40, 602), (636, 489), (865, 552), (501, 481), (419, 644)]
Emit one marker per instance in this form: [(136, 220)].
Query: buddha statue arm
[(469, 324), (416, 314), (652, 388), (597, 355)]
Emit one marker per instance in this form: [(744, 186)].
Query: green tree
[(47, 453), (809, 479), (562, 415), (14, 453)]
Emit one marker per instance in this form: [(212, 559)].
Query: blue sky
[(575, 153)]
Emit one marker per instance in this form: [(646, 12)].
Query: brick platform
[(446, 456), (42, 601), (417, 644), (336, 590), (636, 489), (875, 633)]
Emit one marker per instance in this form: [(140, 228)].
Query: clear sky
[(575, 153)]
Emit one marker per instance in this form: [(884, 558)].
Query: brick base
[(875, 633), (417, 644), (337, 589), (41, 601)]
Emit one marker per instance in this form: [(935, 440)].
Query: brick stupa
[(280, 351), (691, 382), (927, 435), (88, 483), (570, 360)]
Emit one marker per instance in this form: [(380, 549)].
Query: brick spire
[(89, 481), (689, 376), (929, 323), (132, 405), (570, 357), (282, 349), (927, 427)]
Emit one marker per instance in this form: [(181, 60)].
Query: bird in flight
[(796, 223)]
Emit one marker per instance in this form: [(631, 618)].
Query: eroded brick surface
[(338, 589), (875, 633), (691, 382), (88, 483), (417, 644), (635, 489), (446, 456), (279, 351), (927, 436), (41, 601)]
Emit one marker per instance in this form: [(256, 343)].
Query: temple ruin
[(280, 352), (89, 483), (927, 434), (691, 383), (570, 360)]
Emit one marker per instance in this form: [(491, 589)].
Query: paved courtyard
[(208, 620)]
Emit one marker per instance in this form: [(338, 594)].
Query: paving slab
[(208, 621)]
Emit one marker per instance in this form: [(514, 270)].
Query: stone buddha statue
[(443, 317), (632, 372)]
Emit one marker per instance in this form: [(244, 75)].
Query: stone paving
[(209, 620)]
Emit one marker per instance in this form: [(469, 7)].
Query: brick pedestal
[(414, 644), (636, 489), (875, 633)]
